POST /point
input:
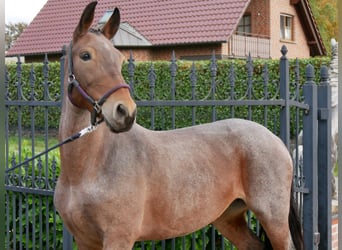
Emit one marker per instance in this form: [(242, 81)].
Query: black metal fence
[(284, 106)]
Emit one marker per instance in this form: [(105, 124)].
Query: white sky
[(22, 10)]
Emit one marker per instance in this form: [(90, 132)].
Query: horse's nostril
[(122, 110)]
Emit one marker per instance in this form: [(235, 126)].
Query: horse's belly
[(167, 218), (165, 228), (193, 192)]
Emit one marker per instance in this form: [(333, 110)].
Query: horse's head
[(95, 81)]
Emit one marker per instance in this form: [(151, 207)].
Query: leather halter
[(97, 105)]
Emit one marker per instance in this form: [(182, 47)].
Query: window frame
[(286, 27), (245, 25)]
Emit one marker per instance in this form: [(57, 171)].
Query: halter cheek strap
[(97, 105)]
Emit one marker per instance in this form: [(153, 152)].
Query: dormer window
[(286, 27)]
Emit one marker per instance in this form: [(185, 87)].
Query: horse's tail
[(295, 225)]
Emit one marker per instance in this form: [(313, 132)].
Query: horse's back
[(252, 141)]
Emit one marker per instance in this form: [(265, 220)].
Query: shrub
[(33, 80)]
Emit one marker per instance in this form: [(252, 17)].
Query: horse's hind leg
[(232, 224), (273, 214), (277, 229)]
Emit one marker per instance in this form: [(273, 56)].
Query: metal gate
[(286, 105)]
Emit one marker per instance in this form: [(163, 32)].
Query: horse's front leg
[(117, 242)]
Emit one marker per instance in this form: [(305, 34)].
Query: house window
[(244, 26), (286, 27)]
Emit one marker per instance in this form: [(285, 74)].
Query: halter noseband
[(97, 105)]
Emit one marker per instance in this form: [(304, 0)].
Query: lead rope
[(83, 132)]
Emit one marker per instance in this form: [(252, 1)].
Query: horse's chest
[(75, 207)]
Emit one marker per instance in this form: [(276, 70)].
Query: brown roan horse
[(123, 183)]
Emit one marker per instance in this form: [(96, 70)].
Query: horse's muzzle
[(122, 118)]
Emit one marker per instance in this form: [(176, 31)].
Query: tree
[(325, 13), (12, 32)]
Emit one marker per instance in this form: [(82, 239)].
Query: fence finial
[(283, 50), (152, 76), (324, 75), (64, 49), (131, 69), (249, 66), (213, 65), (46, 67), (131, 65), (193, 75), (310, 74), (173, 65), (32, 83)]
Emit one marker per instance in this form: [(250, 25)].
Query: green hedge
[(163, 89)]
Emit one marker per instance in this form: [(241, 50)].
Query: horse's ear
[(85, 21), (112, 25)]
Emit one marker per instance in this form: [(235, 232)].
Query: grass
[(27, 143)]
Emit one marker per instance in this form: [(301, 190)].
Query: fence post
[(310, 201), (67, 239), (285, 95), (324, 160)]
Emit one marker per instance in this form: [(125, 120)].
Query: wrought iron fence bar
[(33, 103), (249, 68), (191, 103), (213, 73), (303, 190), (300, 105), (173, 74), (29, 190), (285, 94), (20, 219), (193, 80)]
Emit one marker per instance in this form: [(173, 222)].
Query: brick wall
[(192, 52), (139, 54), (260, 17), (334, 232), (296, 48)]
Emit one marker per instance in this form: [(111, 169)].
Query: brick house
[(193, 29)]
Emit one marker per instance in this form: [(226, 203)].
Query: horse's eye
[(85, 56)]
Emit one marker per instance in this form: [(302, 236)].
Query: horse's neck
[(72, 118), (72, 121)]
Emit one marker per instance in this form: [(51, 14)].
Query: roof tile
[(160, 22)]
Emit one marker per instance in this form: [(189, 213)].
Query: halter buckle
[(71, 78), (94, 119), (97, 107)]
